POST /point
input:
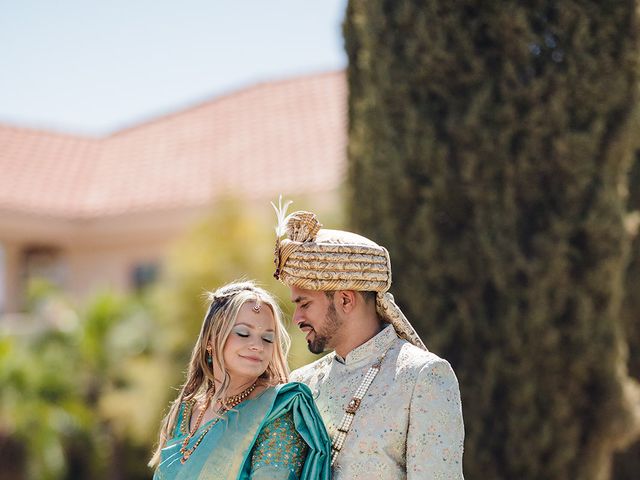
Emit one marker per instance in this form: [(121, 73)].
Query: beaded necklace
[(337, 442), (226, 405)]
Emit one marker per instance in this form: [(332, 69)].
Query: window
[(3, 281), (44, 262), (144, 274)]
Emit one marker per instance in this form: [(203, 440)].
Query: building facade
[(88, 213)]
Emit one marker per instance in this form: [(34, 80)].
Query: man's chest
[(380, 424)]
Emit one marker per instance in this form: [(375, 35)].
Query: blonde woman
[(234, 417)]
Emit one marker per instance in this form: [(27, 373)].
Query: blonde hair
[(225, 303)]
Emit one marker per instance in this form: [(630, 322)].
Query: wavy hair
[(221, 316)]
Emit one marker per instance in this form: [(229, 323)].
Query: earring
[(209, 355)]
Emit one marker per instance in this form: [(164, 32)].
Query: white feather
[(281, 215)]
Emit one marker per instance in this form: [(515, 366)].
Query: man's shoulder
[(413, 359), (416, 366), (303, 373)]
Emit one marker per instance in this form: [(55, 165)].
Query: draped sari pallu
[(226, 451)]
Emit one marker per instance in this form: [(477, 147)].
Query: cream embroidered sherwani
[(409, 424)]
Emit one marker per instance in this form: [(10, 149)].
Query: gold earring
[(209, 355)]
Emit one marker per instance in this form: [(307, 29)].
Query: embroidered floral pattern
[(409, 425), (279, 445)]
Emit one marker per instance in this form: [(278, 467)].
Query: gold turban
[(313, 258)]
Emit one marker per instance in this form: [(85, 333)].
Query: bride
[(234, 417)]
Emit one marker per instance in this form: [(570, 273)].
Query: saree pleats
[(225, 451)]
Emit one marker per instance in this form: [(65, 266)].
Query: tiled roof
[(280, 137)]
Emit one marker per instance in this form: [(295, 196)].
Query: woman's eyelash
[(245, 335)]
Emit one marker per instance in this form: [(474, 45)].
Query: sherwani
[(409, 424)]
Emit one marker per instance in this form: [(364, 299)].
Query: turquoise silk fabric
[(259, 439)]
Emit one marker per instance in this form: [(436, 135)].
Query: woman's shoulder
[(274, 394), (286, 396), (293, 389)]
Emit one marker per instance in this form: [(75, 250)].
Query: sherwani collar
[(369, 350)]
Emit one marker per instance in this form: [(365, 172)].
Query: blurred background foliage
[(83, 396), (74, 394)]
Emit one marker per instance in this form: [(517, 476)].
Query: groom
[(391, 407)]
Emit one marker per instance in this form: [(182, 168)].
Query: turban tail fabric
[(313, 258)]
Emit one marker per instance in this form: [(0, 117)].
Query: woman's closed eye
[(241, 332), (268, 339)]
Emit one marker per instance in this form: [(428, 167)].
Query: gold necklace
[(230, 402), (227, 404)]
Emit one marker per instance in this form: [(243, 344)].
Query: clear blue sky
[(94, 66)]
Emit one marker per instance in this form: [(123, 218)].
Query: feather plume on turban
[(313, 258)]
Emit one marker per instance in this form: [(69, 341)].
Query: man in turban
[(391, 407)]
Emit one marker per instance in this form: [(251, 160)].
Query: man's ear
[(345, 300)]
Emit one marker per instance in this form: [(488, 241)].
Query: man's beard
[(322, 337)]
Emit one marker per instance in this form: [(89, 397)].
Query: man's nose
[(297, 318)]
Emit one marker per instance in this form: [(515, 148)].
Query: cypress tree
[(627, 463), (488, 142), (631, 304)]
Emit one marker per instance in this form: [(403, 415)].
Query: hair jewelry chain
[(227, 404)]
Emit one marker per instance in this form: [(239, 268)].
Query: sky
[(94, 66)]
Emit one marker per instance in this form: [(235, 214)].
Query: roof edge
[(209, 100)]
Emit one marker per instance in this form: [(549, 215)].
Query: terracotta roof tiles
[(280, 137)]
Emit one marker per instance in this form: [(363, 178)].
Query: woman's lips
[(252, 359)]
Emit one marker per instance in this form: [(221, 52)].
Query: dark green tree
[(627, 464), (488, 144)]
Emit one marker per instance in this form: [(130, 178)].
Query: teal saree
[(277, 435)]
